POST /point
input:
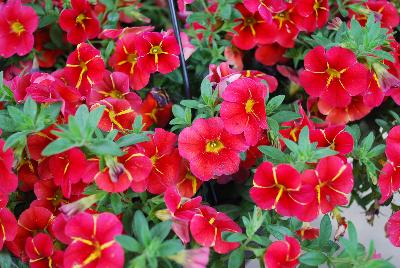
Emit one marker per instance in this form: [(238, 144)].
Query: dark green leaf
[(236, 258), (129, 243), (170, 247), (313, 258)]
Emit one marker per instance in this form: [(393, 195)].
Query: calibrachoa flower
[(279, 188), (243, 109), (332, 182), (125, 59), (41, 252), (84, 68), (334, 75), (9, 181), (207, 226), (8, 226), (313, 14), (80, 22), (334, 137), (283, 253), (158, 52), (389, 177), (17, 24), (210, 149), (265, 7), (93, 243), (252, 29), (393, 229)]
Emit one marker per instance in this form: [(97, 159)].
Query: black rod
[(175, 26)]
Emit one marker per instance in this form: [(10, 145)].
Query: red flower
[(243, 109), (165, 159), (9, 181), (189, 184), (384, 11), (93, 243), (258, 76), (284, 253), (8, 226), (156, 109), (252, 29), (125, 59), (158, 52), (114, 85), (311, 14), (67, 169), (293, 128), (80, 22), (129, 170), (207, 226), (334, 137), (341, 115), (333, 75), (118, 114), (388, 181), (279, 188), (331, 181), (270, 54), (17, 24), (265, 7), (374, 95), (84, 67), (182, 211), (308, 233), (41, 252), (210, 149), (393, 145), (393, 229)]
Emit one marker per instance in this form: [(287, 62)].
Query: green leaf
[(274, 103), (58, 146), (233, 237), (161, 230), (141, 228), (170, 247), (131, 139), (104, 147), (30, 108), (14, 139), (325, 230), (273, 153), (278, 231), (206, 90), (129, 243), (236, 258), (94, 118), (178, 111), (367, 142), (285, 116), (313, 258), (116, 203)]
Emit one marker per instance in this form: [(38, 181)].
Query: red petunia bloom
[(311, 14), (334, 137), (67, 169), (84, 68), (182, 211), (158, 52), (272, 82), (125, 59), (383, 10), (265, 7), (243, 109), (80, 22), (17, 24), (8, 226), (93, 243), (189, 184), (393, 145), (210, 149), (118, 115), (279, 188), (165, 159), (355, 110), (156, 109), (114, 85), (270, 54), (393, 229), (374, 95), (9, 181), (308, 233), (129, 170), (333, 75), (252, 29), (207, 226), (284, 253), (41, 252), (332, 182)]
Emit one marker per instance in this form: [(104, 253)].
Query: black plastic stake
[(175, 26)]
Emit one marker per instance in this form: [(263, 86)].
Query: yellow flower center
[(80, 19), (249, 106), (249, 21), (211, 221), (214, 146), (131, 58), (333, 73), (156, 50), (17, 27), (116, 94)]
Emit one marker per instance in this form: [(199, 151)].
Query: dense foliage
[(111, 157)]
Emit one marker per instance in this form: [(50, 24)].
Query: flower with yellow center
[(17, 27), (214, 146), (249, 106)]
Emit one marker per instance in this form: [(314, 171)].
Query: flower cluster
[(242, 132)]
